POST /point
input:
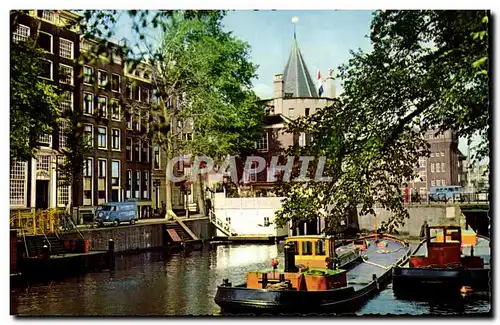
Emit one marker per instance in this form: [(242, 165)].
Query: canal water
[(153, 283)]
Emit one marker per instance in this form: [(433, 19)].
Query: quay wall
[(247, 213), (139, 236), (434, 215)]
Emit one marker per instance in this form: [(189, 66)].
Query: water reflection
[(183, 284)]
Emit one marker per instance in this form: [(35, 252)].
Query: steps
[(35, 245), (180, 231)]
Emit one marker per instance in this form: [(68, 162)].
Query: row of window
[(438, 182), (437, 154), (137, 185), (102, 78), (89, 101), (137, 154), (102, 137), (45, 41), (435, 167), (66, 72)]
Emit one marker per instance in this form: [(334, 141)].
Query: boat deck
[(482, 249), (378, 261)]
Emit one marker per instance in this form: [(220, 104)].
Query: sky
[(325, 38)]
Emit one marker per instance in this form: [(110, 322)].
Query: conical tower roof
[(296, 77)]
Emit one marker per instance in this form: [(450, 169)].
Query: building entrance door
[(42, 194)]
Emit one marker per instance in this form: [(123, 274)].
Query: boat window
[(319, 248), (306, 248), (296, 247)]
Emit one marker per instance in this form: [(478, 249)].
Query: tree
[(426, 71), (33, 101), (204, 75)]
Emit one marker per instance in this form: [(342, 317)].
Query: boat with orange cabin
[(319, 275), (449, 262)]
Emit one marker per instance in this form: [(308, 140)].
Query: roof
[(296, 77), (275, 119)]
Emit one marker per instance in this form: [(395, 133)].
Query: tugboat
[(450, 268), (317, 277)]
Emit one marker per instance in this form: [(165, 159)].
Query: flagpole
[(294, 21)]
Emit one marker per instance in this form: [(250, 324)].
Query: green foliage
[(70, 168), (207, 74), (33, 101), (426, 71)]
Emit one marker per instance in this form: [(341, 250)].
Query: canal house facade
[(96, 93), (36, 183)]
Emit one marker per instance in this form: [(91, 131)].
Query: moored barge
[(448, 263), (317, 277)]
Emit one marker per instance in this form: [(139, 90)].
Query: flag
[(320, 84)]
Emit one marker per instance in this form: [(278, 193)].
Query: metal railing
[(222, 225), (455, 199)]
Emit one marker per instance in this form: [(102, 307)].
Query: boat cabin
[(444, 249), (312, 251)]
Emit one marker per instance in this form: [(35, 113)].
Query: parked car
[(116, 213), (446, 193)]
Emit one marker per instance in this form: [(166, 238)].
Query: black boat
[(353, 273), (447, 264)]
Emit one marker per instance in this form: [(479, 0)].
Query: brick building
[(96, 90), (442, 168)]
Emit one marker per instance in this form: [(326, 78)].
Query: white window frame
[(432, 167), (442, 153), (438, 182), (91, 133), (265, 147), (145, 190), (100, 170), (63, 81), (113, 116), (51, 70), (62, 51), (105, 137), (156, 149), (45, 140), (71, 102), (433, 183), (104, 112), (131, 149), (138, 182), (119, 139), (129, 121), (18, 183), (22, 33), (442, 167), (128, 192), (89, 174), (91, 75), (91, 104), (302, 139), (119, 173), (63, 139), (443, 182), (146, 151), (48, 15), (119, 82), (438, 168), (51, 41), (99, 79), (63, 194)]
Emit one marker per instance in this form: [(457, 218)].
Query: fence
[(461, 198), (37, 222)]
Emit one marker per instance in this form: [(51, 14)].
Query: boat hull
[(437, 282), (240, 300), (346, 300)]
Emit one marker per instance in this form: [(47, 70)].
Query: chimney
[(330, 85), (278, 85)]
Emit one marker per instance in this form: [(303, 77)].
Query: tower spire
[(294, 21)]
